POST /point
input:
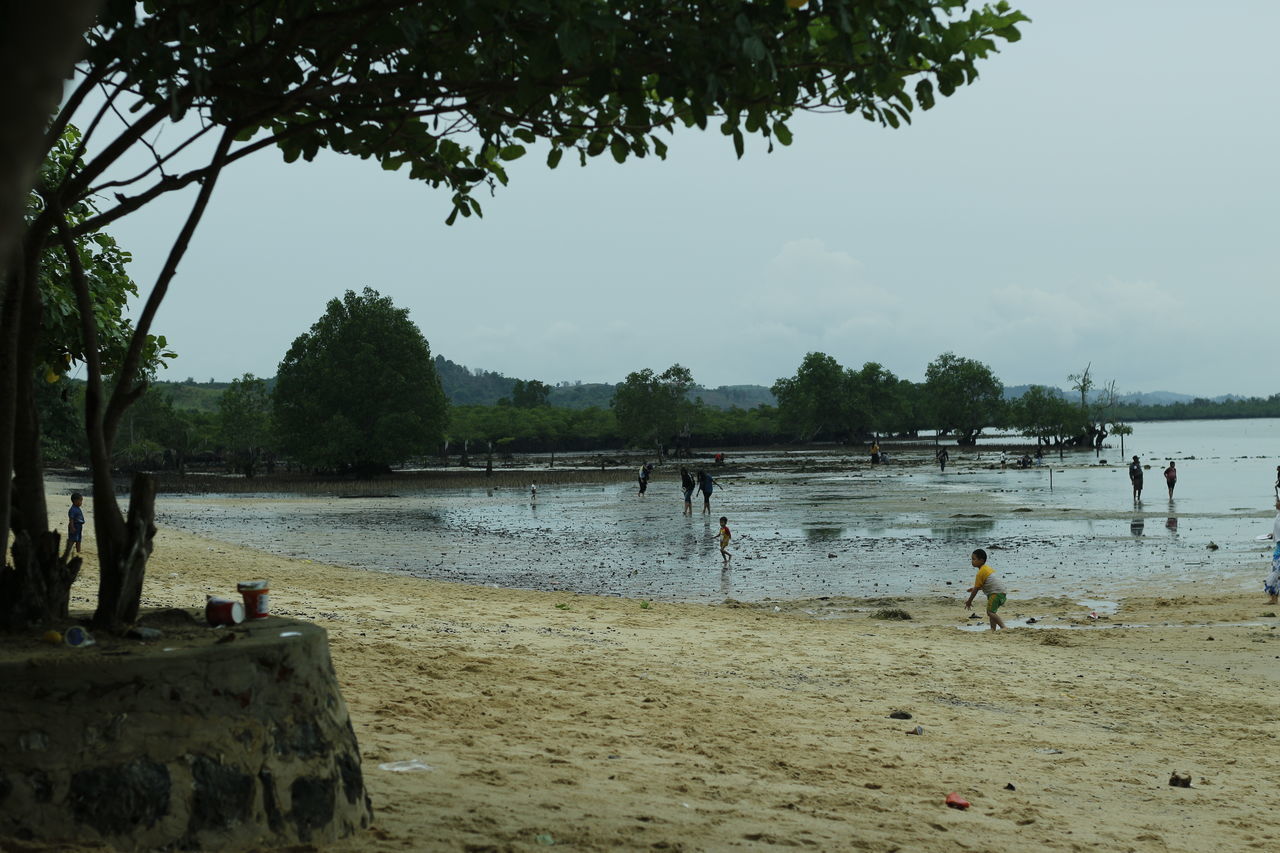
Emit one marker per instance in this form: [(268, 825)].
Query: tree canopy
[(651, 408), (964, 395), (359, 391), (812, 401), (244, 422)]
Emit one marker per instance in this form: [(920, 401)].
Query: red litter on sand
[(955, 801), (255, 595), (223, 611)]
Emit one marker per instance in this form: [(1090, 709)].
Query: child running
[(725, 536), (988, 583)]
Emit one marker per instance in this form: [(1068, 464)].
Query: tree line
[(358, 393)]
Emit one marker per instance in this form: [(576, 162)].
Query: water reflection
[(1171, 524), (1136, 526), (965, 530), (818, 534), (725, 587)]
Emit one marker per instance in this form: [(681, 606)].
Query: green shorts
[(995, 602)]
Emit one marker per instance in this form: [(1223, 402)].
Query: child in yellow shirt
[(725, 536), (988, 583)]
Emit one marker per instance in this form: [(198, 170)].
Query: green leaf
[(783, 133), (553, 157), (512, 152)]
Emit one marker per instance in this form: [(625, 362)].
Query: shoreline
[(608, 723)]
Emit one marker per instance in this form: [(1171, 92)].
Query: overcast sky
[(1106, 193)]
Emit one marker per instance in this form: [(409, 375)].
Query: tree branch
[(124, 393), (106, 510)]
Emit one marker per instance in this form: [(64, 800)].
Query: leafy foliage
[(401, 82), (824, 399), (812, 402), (530, 394), (111, 288), (244, 422), (652, 409), (359, 390), (964, 395), (1046, 416)]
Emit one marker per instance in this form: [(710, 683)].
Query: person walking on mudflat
[(1171, 477), (942, 457), (1135, 479), (646, 470), (687, 485), (706, 485), (725, 536), (988, 583)]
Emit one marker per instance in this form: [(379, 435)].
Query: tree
[(74, 298), (359, 391), (878, 395), (813, 401), (244, 422), (1091, 433), (652, 409), (964, 394), (1082, 382), (451, 90), (1042, 414), (529, 395)]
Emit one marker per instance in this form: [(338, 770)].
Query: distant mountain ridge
[(465, 386), (1135, 398)]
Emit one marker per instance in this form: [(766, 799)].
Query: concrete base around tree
[(201, 738)]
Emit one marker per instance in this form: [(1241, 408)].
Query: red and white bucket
[(256, 595), (223, 611)]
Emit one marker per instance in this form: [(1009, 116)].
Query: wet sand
[(540, 718)]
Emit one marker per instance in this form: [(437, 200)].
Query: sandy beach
[(531, 719)]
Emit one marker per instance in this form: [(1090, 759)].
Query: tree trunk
[(36, 588), (122, 558)]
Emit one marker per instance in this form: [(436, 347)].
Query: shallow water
[(893, 530)]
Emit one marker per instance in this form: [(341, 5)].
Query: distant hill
[(468, 387), (1136, 398), (475, 387), (192, 395), (742, 396), (581, 395)]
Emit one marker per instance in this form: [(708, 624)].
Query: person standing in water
[(1171, 477), (1135, 479), (942, 457)]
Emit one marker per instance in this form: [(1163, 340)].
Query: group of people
[(1170, 478), (701, 481), (704, 483)]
